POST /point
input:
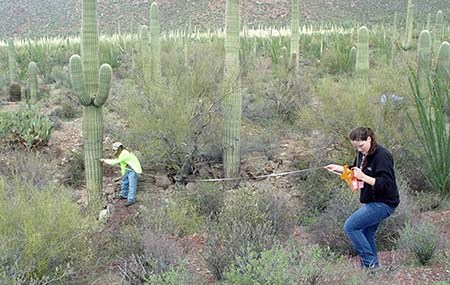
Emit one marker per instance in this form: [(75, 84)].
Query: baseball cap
[(116, 145)]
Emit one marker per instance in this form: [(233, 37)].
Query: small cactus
[(32, 82), (15, 92), (145, 54), (406, 43), (155, 44), (295, 24), (438, 32), (442, 68), (352, 60), (424, 60)]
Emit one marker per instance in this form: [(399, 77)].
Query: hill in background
[(23, 18)]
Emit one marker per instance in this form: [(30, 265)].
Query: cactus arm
[(104, 84), (76, 77)]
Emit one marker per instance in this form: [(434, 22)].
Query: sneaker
[(373, 269), (127, 204), (120, 197)]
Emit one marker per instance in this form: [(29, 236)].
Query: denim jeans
[(129, 185), (360, 228)]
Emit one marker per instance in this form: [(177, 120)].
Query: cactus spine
[(295, 24), (406, 43), (155, 44), (424, 60), (232, 94), (362, 52), (32, 82), (12, 63), (92, 89)]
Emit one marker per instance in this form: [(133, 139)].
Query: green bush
[(209, 199), (27, 127), (420, 240), (40, 230), (176, 216), (174, 276), (249, 221)]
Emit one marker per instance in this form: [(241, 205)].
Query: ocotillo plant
[(424, 60), (438, 32), (92, 89), (362, 53), (145, 55), (232, 105), (12, 63), (155, 44), (295, 24), (32, 82)]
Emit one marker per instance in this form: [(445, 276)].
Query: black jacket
[(380, 166)]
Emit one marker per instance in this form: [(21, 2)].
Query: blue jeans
[(360, 228), (129, 185)]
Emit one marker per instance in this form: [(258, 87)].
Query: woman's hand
[(358, 174), (334, 168)]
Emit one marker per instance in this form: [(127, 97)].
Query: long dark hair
[(361, 134)]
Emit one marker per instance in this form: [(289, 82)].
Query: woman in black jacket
[(374, 168)]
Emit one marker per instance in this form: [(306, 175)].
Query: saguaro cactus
[(362, 52), (32, 82), (424, 60), (442, 68), (92, 89), (155, 43), (438, 31), (406, 43), (295, 24), (145, 55), (12, 63), (233, 97)]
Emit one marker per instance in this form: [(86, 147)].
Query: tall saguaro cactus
[(295, 24), (155, 43), (92, 89), (424, 60), (32, 82), (442, 68), (12, 63), (362, 53), (145, 54), (233, 97), (438, 32), (406, 43)]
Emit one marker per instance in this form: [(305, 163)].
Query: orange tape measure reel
[(350, 179)]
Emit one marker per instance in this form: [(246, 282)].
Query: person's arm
[(110, 161), (334, 168)]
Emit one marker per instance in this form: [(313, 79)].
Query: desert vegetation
[(233, 123)]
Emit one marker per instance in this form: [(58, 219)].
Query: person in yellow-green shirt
[(130, 168)]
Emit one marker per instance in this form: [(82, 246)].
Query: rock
[(163, 182)]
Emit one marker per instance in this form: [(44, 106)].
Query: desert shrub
[(40, 230), (159, 261), (267, 267), (75, 173), (328, 230), (246, 223), (27, 127), (176, 216), (420, 240), (313, 195), (209, 199), (181, 114), (34, 168)]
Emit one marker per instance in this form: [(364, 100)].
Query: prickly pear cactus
[(92, 89), (232, 93), (32, 82)]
